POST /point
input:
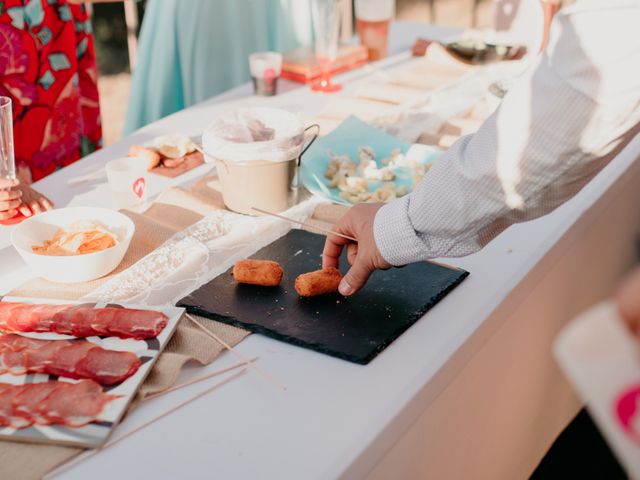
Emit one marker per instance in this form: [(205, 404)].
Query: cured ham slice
[(65, 360), (13, 362), (72, 359), (61, 403), (102, 320), (26, 401), (12, 353), (106, 366), (138, 324), (37, 359), (74, 404), (19, 320), (7, 417), (81, 321)]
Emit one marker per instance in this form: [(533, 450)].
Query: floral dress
[(48, 69)]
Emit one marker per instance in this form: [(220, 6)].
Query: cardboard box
[(300, 65)]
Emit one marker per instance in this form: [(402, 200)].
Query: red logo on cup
[(138, 187), (269, 74), (627, 410)]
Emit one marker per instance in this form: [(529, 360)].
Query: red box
[(300, 65)]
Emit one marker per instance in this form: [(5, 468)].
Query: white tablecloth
[(470, 391)]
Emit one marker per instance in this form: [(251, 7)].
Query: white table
[(470, 391)]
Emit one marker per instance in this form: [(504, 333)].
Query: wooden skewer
[(80, 458), (312, 227), (262, 372), (327, 231), (198, 379), (173, 409)]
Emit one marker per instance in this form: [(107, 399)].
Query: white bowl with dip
[(72, 268)]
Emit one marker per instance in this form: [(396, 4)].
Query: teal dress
[(191, 51)]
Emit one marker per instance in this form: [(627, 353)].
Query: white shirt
[(558, 126)]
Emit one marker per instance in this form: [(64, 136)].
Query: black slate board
[(355, 329)]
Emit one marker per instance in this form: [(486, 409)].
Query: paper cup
[(265, 71), (127, 178), (261, 184), (373, 18)]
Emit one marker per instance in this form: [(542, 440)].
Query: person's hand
[(628, 300), (33, 202), (363, 256), (10, 198)]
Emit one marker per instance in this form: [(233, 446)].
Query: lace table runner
[(181, 241)]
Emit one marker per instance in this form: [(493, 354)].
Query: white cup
[(375, 10), (127, 179), (265, 70), (372, 23)]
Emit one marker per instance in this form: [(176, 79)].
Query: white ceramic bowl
[(77, 268)]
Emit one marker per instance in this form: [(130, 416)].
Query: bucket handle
[(314, 136), (200, 148), (226, 167)]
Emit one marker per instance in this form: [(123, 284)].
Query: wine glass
[(7, 160), (326, 25)]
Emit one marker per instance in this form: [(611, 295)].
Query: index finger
[(333, 246)]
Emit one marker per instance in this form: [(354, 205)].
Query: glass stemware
[(326, 25), (7, 160)]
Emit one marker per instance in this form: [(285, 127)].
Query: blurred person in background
[(48, 69), (191, 51)]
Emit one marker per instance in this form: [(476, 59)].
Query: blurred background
[(111, 31)]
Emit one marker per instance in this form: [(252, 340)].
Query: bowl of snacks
[(475, 51), (75, 244), (357, 163)]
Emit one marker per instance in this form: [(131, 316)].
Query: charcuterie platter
[(68, 370)]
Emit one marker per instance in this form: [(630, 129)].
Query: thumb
[(355, 278)]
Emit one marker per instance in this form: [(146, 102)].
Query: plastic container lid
[(255, 134)]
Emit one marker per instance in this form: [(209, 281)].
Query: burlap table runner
[(174, 211)]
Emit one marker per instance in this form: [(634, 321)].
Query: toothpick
[(311, 227), (332, 232), (262, 372), (173, 409), (198, 379)]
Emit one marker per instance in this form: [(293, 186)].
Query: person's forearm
[(554, 131), (489, 180)]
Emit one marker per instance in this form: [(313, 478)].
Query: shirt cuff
[(395, 235)]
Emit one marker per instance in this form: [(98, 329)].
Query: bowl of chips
[(75, 244)]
